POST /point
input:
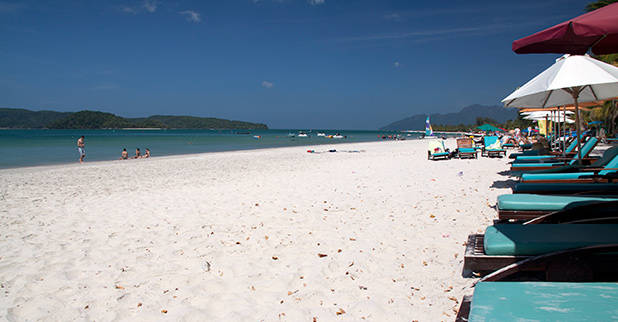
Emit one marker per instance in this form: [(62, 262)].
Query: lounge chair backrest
[(489, 140), (571, 146), (607, 157), (586, 149), (465, 143), (435, 146), (613, 164)]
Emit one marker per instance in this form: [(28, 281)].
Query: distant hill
[(21, 118), (25, 119), (466, 116)]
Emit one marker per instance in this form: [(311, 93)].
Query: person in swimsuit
[(147, 153), (124, 155), (81, 149), (137, 154)]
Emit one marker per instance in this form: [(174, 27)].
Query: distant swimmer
[(124, 155), (81, 149)]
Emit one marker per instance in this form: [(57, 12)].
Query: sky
[(307, 64)]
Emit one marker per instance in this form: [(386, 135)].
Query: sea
[(22, 148)]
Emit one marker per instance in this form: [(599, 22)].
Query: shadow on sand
[(510, 183)]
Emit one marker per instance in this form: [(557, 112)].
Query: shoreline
[(86, 162)]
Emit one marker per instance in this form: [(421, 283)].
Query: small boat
[(428, 130), (337, 136), (302, 135), (321, 134)]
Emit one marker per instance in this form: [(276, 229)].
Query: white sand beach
[(273, 235)]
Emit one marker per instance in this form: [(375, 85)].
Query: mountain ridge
[(466, 116), (26, 119)]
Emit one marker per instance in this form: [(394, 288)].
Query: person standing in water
[(81, 149)]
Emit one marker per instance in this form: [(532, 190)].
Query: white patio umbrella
[(572, 79), (542, 117)]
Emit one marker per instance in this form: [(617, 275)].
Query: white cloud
[(150, 5), (191, 16), (397, 64), (267, 84), (129, 10), (316, 2), (393, 16)]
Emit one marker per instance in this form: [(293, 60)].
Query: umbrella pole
[(579, 141)]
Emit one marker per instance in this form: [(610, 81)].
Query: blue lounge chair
[(567, 188), (576, 284), (607, 157), (505, 244), (568, 151), (556, 162), (544, 301), (492, 146), (529, 206), (436, 150), (588, 174), (465, 148)]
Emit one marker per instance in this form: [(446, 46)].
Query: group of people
[(138, 154), (81, 149)]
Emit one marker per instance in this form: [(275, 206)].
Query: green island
[(25, 119)]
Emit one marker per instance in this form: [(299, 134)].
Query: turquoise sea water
[(19, 148)]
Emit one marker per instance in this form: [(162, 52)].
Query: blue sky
[(288, 63)]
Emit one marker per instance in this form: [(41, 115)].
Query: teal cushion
[(535, 165), (544, 301), (534, 157), (554, 176), (528, 240), (467, 150), (565, 188), (545, 202), (440, 154)]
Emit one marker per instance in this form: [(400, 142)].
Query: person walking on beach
[(81, 149)]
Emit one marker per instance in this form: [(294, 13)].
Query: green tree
[(599, 4), (608, 113)]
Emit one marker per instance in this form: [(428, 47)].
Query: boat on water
[(321, 134), (428, 130), (302, 135)]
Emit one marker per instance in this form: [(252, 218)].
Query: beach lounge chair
[(465, 148), (436, 150), (592, 173), (607, 157), (492, 147), (536, 154), (586, 148), (567, 188), (530, 206), (576, 285), (505, 244), (542, 301), (543, 164)]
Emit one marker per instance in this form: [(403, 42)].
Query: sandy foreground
[(276, 234)]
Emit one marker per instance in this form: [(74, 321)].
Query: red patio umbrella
[(596, 30)]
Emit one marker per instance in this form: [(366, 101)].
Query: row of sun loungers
[(466, 148), (552, 252)]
